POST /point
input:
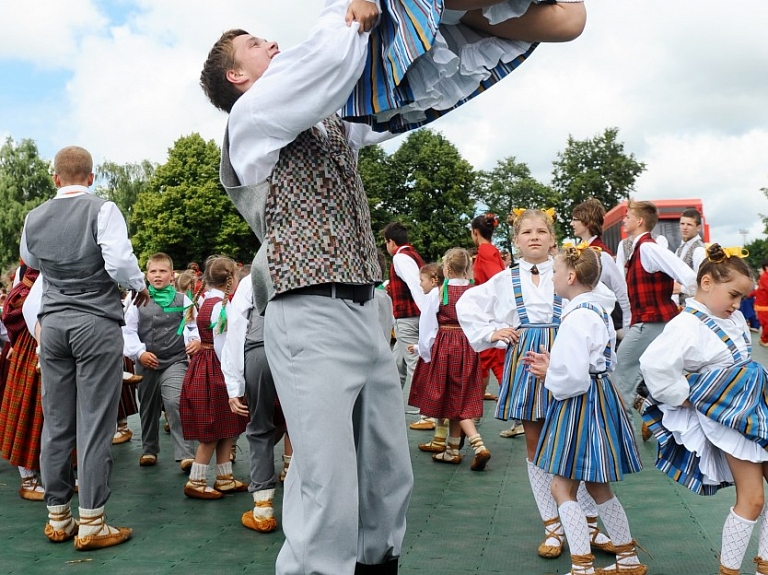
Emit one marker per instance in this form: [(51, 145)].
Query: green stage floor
[(459, 522)]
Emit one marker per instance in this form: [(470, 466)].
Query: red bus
[(668, 226)]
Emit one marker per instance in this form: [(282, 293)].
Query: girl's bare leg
[(532, 434), (541, 23)]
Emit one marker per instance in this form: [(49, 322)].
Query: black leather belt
[(358, 293)]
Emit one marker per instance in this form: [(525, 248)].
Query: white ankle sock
[(63, 511), (477, 443), (736, 534), (616, 524), (262, 503), (198, 471), (25, 472), (575, 526), (96, 527), (224, 469)]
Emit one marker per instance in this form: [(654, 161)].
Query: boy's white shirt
[(133, 347), (654, 259), (233, 354), (301, 87), (407, 270), (111, 235)]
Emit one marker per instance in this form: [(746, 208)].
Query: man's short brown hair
[(591, 213), (213, 79), (73, 164), (647, 211)]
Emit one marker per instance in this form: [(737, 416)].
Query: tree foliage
[(507, 186), (597, 168), (25, 183), (426, 185), (122, 184), (185, 212)]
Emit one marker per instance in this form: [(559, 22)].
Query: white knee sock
[(575, 525), (25, 473), (541, 483), (589, 507), (762, 547), (615, 520), (736, 534), (262, 503)]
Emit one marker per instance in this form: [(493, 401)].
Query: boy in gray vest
[(158, 339), (290, 166), (80, 245)]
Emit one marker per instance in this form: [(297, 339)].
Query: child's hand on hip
[(364, 13)]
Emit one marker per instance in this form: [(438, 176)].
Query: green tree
[(185, 212), (758, 252), (507, 186), (122, 184), (372, 164), (597, 168), (427, 185), (25, 183)]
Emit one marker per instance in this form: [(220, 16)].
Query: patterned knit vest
[(650, 295), (688, 258), (318, 226), (402, 300)]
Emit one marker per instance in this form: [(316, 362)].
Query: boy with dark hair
[(691, 249), (651, 274), (79, 242), (289, 165), (406, 294), (158, 341)]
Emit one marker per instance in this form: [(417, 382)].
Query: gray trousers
[(158, 389), (81, 363), (628, 375), (347, 492), (407, 333), (260, 395)]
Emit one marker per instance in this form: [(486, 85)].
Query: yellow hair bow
[(580, 247), (518, 211), (732, 252), (550, 212)]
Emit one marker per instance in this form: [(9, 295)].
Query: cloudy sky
[(685, 82)]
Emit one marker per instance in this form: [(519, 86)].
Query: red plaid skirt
[(450, 385), (3, 366), (21, 414), (204, 405)]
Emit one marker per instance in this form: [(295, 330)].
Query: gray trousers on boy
[(81, 364), (628, 375), (260, 395), (347, 492), (158, 389)]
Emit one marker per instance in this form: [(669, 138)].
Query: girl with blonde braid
[(586, 438), (204, 407)]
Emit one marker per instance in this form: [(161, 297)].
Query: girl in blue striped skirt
[(708, 404), (427, 57), (586, 435), (517, 310)]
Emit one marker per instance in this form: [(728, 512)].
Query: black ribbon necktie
[(534, 271)]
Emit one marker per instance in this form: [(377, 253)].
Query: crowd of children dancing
[(300, 347)]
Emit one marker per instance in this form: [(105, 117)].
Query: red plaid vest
[(402, 301), (650, 295)]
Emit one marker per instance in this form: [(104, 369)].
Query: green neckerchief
[(164, 298), (183, 315), (221, 322)]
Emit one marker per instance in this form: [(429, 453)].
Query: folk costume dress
[(422, 63), (512, 299), (446, 382), (21, 414), (586, 435), (204, 403), (706, 360)]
